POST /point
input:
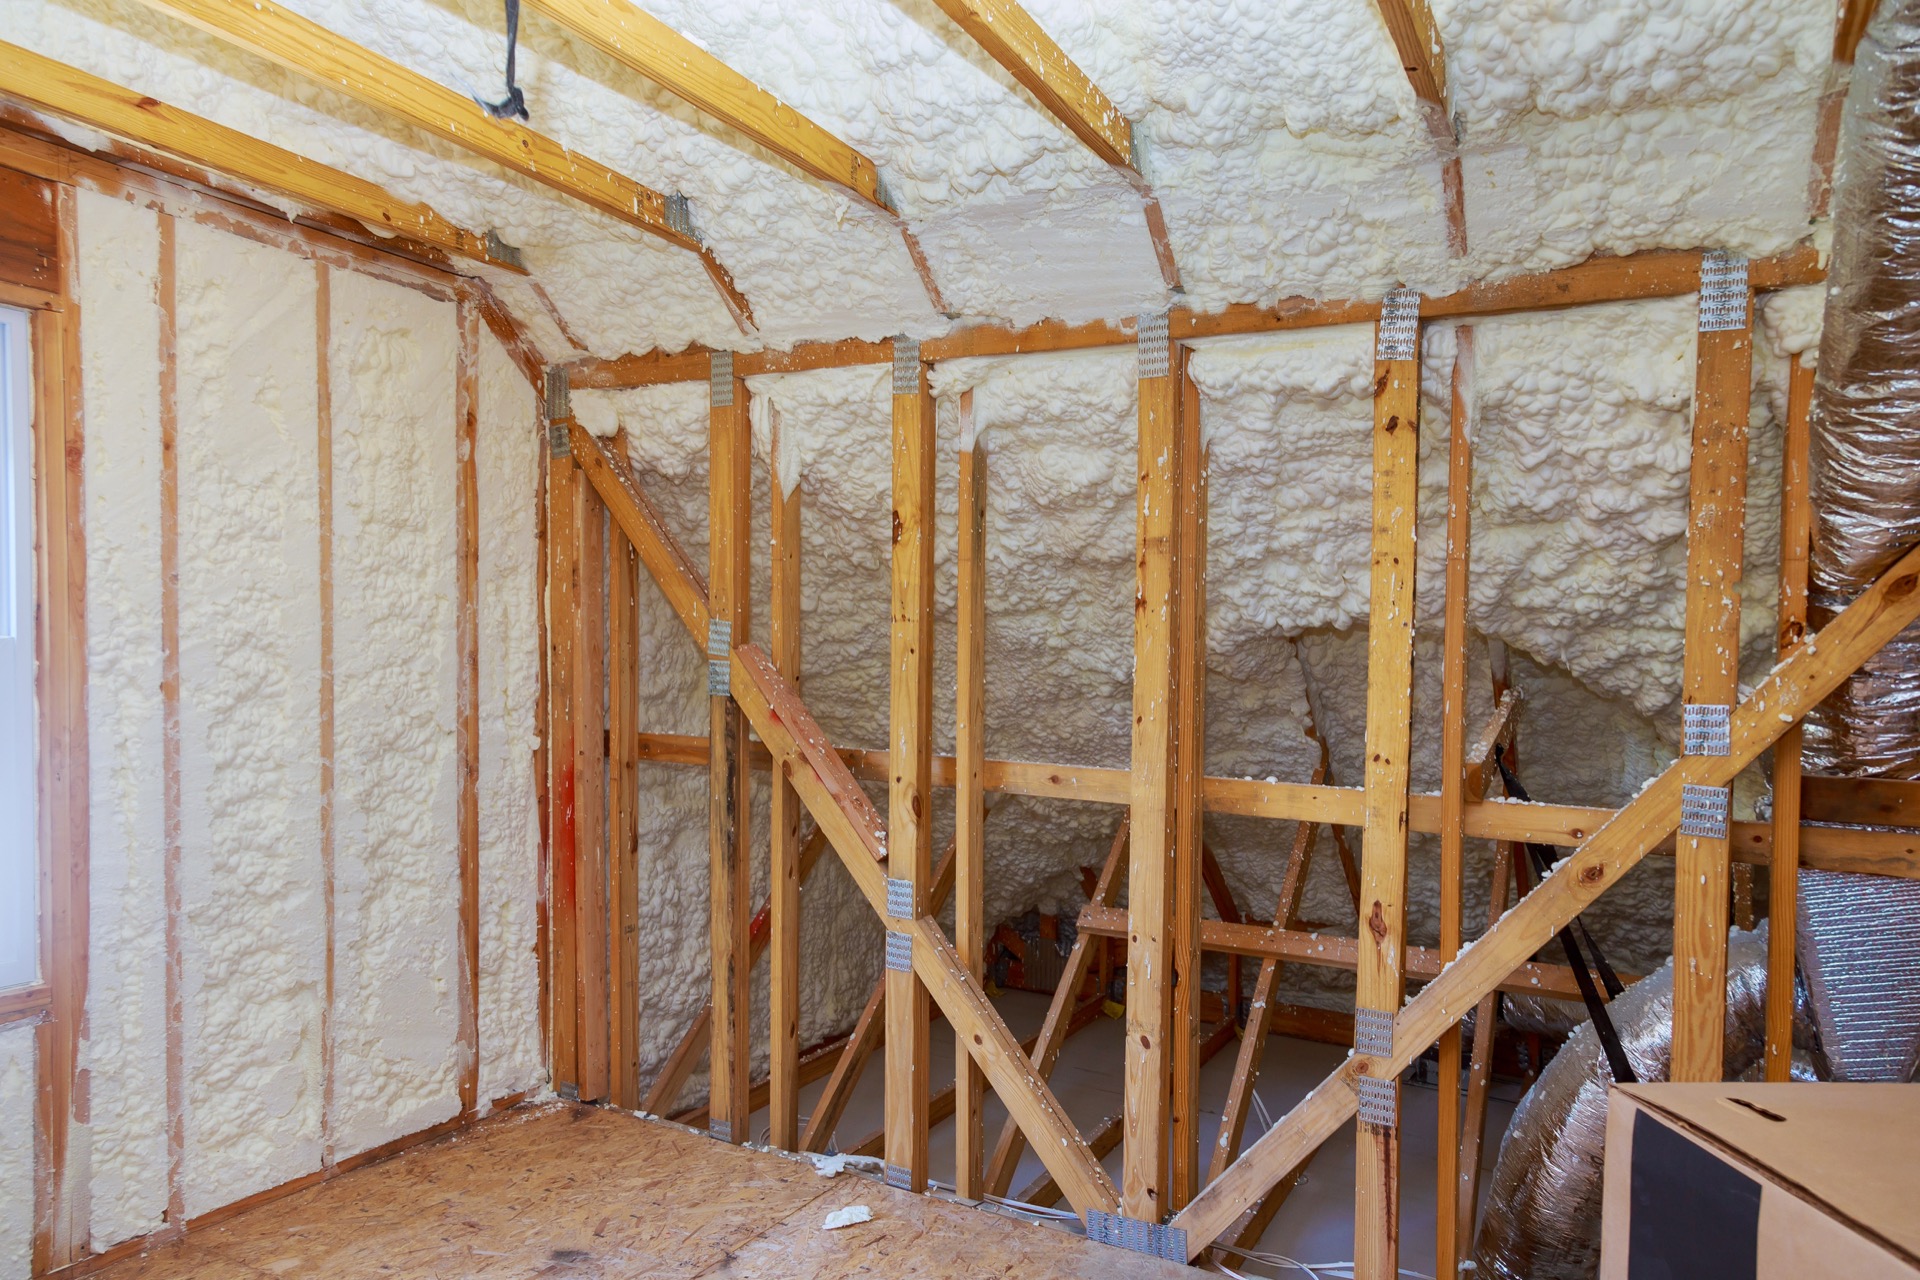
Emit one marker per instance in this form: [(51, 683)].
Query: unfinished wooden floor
[(564, 1191)]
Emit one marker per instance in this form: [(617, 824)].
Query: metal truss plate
[(559, 441), (1379, 1100), (1723, 291), (680, 216), (720, 379), (721, 1130), (559, 395), (897, 1176), (1153, 345), (899, 952), (1703, 810), (1399, 333), (906, 367), (1706, 729), (1155, 1239), (899, 898), (1373, 1032), (719, 658)]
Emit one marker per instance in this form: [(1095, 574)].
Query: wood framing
[(1014, 40), (1152, 879), (678, 578), (562, 561), (1716, 526), (1453, 783), (75, 95), (60, 689), (910, 754), (1783, 883), (970, 797), (784, 870), (1055, 1029), (1381, 980), (306, 48), (1783, 696), (174, 978), (623, 818), (860, 839), (1416, 38), (656, 51), (729, 821), (1190, 686), (593, 1009), (1660, 273), (467, 626)]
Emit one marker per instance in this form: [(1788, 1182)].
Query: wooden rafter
[(306, 48), (75, 95), (785, 853), (1416, 39), (1014, 40), (1783, 696)]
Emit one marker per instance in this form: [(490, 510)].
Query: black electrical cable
[(1543, 859), (514, 105)]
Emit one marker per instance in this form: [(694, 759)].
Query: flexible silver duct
[(1542, 1218), (1865, 426)]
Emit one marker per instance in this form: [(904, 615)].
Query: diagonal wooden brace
[(1788, 692), (841, 809)]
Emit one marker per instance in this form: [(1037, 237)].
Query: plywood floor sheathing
[(568, 1191)]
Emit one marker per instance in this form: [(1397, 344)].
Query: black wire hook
[(514, 105)]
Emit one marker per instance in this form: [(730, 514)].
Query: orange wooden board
[(572, 1190)]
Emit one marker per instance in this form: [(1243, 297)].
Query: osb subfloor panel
[(566, 1191)]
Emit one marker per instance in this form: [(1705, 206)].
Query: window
[(19, 839)]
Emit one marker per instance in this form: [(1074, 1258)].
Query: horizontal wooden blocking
[(854, 829)]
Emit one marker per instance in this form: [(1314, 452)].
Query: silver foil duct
[(1859, 945), (1542, 1218), (1866, 402)]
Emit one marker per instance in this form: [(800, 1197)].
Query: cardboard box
[(1762, 1182)]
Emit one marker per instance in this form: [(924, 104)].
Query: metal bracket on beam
[(1155, 1239), (680, 216), (1398, 337), (721, 1130), (559, 394), (899, 952), (720, 379), (898, 1176), (906, 366), (500, 251), (1373, 1032), (1153, 345), (1723, 291), (719, 655), (1379, 1100), (1703, 810), (1706, 729), (899, 898)]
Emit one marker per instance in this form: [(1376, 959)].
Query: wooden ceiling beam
[(649, 47), (46, 85), (1014, 40), (288, 40)]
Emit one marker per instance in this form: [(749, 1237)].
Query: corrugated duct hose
[(1543, 1206)]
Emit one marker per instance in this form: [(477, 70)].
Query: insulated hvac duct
[(1859, 937), (1542, 1218), (1865, 425)]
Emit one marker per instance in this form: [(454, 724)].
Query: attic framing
[(1167, 789)]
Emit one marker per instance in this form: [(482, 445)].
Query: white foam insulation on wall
[(253, 937), (251, 931), (1283, 141)]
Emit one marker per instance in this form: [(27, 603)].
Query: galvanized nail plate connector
[(1706, 729), (1703, 810), (1399, 333)]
